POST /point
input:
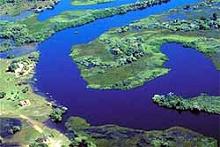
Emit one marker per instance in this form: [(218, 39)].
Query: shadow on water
[(191, 74)]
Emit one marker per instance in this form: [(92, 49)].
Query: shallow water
[(192, 73), (65, 5), (19, 17), (18, 51), (6, 124)]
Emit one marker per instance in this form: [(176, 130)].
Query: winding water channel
[(191, 74)]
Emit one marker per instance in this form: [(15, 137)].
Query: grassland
[(115, 136), (15, 89), (126, 57), (15, 7), (89, 2), (210, 104)]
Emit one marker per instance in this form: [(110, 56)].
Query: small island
[(210, 104)]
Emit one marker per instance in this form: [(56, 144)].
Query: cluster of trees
[(91, 62), (19, 33), (201, 103), (171, 101), (14, 7), (126, 8), (201, 23), (5, 46), (13, 66), (57, 114), (2, 94), (26, 62), (99, 14), (127, 50)]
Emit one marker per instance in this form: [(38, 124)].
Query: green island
[(129, 56), (16, 7), (20, 102), (90, 2), (210, 104), (115, 136)]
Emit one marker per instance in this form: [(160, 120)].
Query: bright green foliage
[(56, 114), (128, 56), (203, 102)]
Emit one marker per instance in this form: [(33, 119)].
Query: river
[(191, 74)]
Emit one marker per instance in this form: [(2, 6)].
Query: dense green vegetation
[(57, 114), (89, 2), (127, 57), (203, 102), (119, 62), (31, 30), (115, 136), (15, 7)]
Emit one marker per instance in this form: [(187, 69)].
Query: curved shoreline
[(61, 68)]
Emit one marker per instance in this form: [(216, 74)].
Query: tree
[(13, 66), (214, 16), (2, 95), (57, 114)]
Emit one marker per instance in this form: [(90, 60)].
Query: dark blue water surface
[(191, 74)]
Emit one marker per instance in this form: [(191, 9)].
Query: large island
[(129, 56)]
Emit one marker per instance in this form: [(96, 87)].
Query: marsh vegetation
[(128, 56)]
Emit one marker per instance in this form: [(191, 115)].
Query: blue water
[(17, 51), (6, 125), (191, 74), (65, 5), (19, 17)]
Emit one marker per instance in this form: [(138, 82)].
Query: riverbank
[(19, 101), (16, 7), (80, 99), (31, 30), (129, 56), (114, 136)]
